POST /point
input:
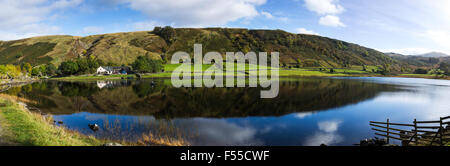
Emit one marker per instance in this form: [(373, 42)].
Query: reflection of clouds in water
[(302, 115), (215, 132), (327, 134), (209, 132), (266, 129), (329, 126), (439, 105), (427, 103), (403, 97), (323, 138)]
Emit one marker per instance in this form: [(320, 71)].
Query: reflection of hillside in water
[(126, 97)]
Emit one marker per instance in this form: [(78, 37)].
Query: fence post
[(441, 131), (387, 129), (415, 131)]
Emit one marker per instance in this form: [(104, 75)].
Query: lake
[(307, 111)]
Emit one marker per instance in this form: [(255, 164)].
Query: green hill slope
[(123, 48)]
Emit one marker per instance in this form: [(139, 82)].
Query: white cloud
[(272, 17), (196, 13), (324, 7), (19, 19), (439, 37), (332, 21), (305, 31), (267, 15), (328, 9)]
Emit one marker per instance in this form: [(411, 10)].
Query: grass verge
[(32, 129)]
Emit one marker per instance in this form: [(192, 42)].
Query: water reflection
[(307, 111), (162, 101), (327, 134), (219, 132)]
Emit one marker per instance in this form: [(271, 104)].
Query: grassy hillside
[(306, 50), (124, 48)]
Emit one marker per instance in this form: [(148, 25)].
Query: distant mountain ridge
[(428, 60), (433, 55)]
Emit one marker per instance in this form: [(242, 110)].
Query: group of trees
[(147, 65), (80, 66), (142, 64), (10, 71), (44, 70), (443, 69), (14, 71)]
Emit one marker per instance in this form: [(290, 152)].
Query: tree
[(83, 65), (50, 70), (26, 67), (94, 64), (146, 65), (35, 72), (68, 68), (13, 71), (167, 33), (2, 71)]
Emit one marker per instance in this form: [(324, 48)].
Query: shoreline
[(15, 83), (19, 126), (125, 77), (26, 128)]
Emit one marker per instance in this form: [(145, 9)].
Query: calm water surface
[(307, 112)]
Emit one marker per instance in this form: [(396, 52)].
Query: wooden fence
[(418, 133)]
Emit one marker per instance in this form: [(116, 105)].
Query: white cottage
[(104, 70)]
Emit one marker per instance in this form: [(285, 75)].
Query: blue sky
[(403, 26)]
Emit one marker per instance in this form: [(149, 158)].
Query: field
[(354, 71)]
